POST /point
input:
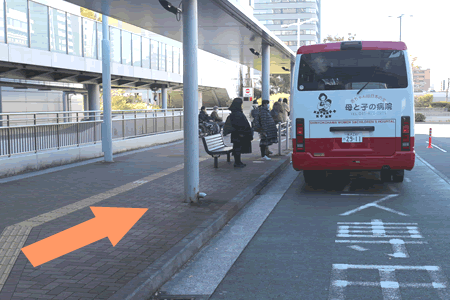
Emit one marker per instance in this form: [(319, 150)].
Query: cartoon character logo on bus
[(324, 107)]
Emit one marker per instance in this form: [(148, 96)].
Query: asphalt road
[(356, 239)]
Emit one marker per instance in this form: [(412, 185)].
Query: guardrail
[(38, 131), (283, 128), (32, 132)]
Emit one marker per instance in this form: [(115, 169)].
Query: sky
[(425, 34)]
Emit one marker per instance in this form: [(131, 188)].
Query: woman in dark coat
[(241, 132), (267, 129)]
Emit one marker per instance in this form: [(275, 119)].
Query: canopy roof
[(224, 29)]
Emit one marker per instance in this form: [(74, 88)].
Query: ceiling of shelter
[(223, 29)]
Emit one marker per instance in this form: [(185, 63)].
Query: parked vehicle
[(353, 108)]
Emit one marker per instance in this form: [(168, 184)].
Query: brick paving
[(99, 270)]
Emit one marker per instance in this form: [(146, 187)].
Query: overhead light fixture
[(285, 69), (169, 7), (254, 52)]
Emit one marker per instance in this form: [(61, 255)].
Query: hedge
[(420, 117)]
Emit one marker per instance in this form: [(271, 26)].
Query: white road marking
[(357, 248), (375, 204), (389, 285), (365, 195), (434, 146), (393, 188), (375, 242), (377, 229), (399, 248), (407, 179)]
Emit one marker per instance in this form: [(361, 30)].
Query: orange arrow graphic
[(111, 222)]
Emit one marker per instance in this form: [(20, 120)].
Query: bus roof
[(366, 45)]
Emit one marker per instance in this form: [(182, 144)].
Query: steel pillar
[(190, 92), (64, 103), (93, 99), (265, 72), (164, 97), (106, 79)]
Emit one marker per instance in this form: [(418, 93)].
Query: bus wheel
[(398, 175), (385, 176), (314, 176)]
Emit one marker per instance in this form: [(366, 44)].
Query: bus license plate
[(352, 138)]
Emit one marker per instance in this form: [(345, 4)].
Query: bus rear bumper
[(399, 161)]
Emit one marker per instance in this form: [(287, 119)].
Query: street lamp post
[(298, 27), (400, 17)]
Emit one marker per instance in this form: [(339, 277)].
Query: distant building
[(421, 80), (275, 13)]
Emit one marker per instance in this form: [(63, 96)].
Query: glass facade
[(2, 21), (169, 54), (74, 34), (162, 56), (39, 26), (17, 25), (136, 41), (114, 37), (99, 39), (126, 48), (58, 36), (89, 38), (145, 53), (59, 31), (154, 58)]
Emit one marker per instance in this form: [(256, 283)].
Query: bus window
[(352, 69)]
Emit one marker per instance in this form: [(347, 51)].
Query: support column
[(64, 103), (93, 98), (265, 72), (190, 95), (164, 97), (85, 106), (106, 78)]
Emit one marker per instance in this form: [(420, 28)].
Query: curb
[(148, 281)]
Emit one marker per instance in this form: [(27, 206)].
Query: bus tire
[(385, 176), (314, 176), (398, 175)]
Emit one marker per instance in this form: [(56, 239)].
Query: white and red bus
[(353, 109)]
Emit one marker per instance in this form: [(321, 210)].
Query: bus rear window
[(352, 69)]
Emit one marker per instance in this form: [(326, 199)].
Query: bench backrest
[(213, 142)]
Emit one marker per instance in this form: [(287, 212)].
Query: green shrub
[(441, 104), (420, 117), (424, 100)]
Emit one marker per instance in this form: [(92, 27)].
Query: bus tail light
[(406, 134), (300, 135)]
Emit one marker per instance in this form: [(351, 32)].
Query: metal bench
[(215, 146)]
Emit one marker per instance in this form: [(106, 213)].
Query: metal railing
[(32, 132), (283, 128)]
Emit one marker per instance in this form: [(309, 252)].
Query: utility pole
[(446, 92)]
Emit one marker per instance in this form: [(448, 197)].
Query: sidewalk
[(163, 239)]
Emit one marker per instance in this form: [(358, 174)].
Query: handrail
[(287, 126)]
